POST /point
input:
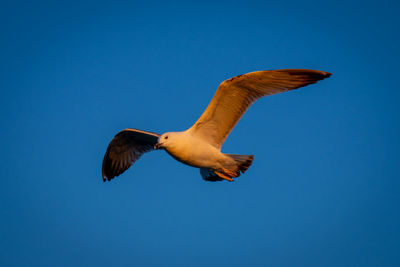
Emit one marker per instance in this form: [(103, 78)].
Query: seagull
[(200, 145)]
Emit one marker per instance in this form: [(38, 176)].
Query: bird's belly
[(200, 156)]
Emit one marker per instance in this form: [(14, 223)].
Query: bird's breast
[(195, 152)]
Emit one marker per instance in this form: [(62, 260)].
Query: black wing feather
[(124, 149)]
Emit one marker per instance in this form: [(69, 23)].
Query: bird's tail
[(243, 162)]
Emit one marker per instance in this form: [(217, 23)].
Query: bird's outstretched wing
[(124, 149), (234, 96)]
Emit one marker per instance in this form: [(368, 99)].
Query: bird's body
[(200, 145), (188, 149)]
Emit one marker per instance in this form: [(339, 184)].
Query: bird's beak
[(157, 146)]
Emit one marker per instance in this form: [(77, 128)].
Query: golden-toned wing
[(234, 96), (124, 149)]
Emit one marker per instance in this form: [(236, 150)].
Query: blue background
[(324, 189)]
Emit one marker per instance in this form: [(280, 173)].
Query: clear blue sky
[(324, 189)]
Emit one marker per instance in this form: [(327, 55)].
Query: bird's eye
[(166, 137)]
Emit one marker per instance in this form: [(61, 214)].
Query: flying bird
[(200, 145)]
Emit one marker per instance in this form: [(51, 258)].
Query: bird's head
[(164, 141)]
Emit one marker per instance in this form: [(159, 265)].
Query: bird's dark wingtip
[(106, 178), (327, 74), (320, 75)]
